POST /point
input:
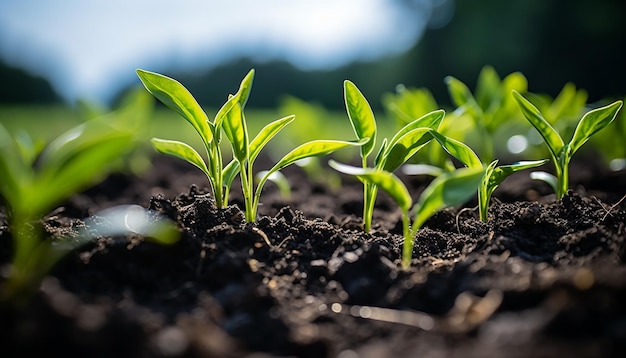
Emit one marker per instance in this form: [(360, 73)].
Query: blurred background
[(68, 50)]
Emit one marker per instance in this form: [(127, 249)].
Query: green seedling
[(449, 189), (562, 112), (392, 153), (490, 107), (406, 104), (34, 182), (175, 96), (231, 119), (494, 175), (591, 123)]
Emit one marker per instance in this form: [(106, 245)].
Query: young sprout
[(449, 189), (33, 183), (490, 106), (494, 175), (231, 119), (175, 96), (392, 153), (561, 153)]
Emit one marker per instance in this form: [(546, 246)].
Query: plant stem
[(368, 197), (562, 175), (246, 188), (483, 203), (407, 249), (215, 159)]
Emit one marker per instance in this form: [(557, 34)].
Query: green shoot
[(561, 153), (245, 151), (392, 153), (175, 96), (490, 107), (449, 189), (231, 119), (494, 175), (35, 182)]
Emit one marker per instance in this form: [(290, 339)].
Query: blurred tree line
[(18, 86), (550, 42)]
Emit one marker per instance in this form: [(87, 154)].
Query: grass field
[(44, 123)]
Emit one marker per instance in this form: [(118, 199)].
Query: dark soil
[(543, 278)]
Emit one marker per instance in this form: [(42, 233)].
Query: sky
[(88, 48)]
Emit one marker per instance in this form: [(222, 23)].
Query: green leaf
[(266, 134), (449, 189), (592, 122), (361, 116), (281, 182), (502, 172), (244, 89), (177, 97), (458, 150), (223, 111), (405, 147), (83, 162), (229, 173), (569, 103), (383, 179), (547, 178), (488, 88), (422, 169), (313, 149), (550, 135), (180, 150), (462, 96), (14, 173), (430, 120), (235, 129)]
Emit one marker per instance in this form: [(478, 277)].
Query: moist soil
[(542, 278)]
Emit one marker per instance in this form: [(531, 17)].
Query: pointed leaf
[(547, 178), (502, 172), (462, 96), (223, 111), (235, 129), (180, 150), (280, 180), (266, 134), (488, 88), (592, 122), (430, 120), (449, 189), (313, 149), (177, 97), (458, 150), (230, 172), (361, 116), (405, 147), (244, 89), (383, 179), (550, 135)]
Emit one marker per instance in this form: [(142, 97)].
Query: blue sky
[(87, 48)]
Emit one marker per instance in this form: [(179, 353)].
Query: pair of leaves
[(404, 144), (591, 123), (449, 189)]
